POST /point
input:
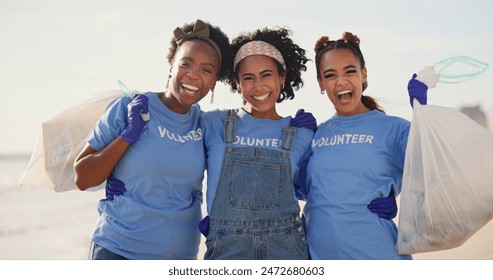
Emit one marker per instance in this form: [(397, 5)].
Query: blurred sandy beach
[(40, 224)]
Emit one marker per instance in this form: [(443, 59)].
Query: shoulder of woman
[(213, 116), (119, 103), (399, 120)]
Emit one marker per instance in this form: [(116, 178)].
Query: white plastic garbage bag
[(61, 140), (447, 188)]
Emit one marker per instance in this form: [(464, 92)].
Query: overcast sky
[(55, 54)]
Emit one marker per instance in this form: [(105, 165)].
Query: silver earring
[(322, 92), (212, 97)]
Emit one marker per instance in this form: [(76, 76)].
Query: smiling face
[(193, 75), (342, 78), (260, 85)]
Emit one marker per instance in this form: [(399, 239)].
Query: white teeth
[(343, 92), (190, 87), (261, 97)]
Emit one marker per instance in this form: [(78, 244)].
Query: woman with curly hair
[(355, 170), (255, 156), (156, 167)]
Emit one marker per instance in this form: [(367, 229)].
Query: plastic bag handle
[(130, 93), (441, 67), (125, 90)]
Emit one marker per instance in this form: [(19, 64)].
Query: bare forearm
[(93, 167)]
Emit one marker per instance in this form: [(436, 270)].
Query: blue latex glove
[(418, 90), (136, 124), (204, 226), (114, 187), (385, 208), (303, 119)]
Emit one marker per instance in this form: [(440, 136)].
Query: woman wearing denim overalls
[(255, 156)]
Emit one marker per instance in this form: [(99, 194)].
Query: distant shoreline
[(13, 156)]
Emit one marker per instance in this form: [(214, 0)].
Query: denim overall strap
[(230, 126), (288, 135)]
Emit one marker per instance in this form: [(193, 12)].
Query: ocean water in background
[(41, 224)]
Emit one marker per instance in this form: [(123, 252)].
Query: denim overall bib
[(254, 214)]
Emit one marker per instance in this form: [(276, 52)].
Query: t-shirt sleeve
[(211, 122), (300, 185), (110, 125), (401, 136)]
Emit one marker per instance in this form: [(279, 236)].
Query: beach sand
[(40, 224)]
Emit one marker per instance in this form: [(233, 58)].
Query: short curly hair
[(216, 35), (293, 55)]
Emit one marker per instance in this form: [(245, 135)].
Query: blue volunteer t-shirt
[(355, 159), (157, 217), (250, 132)]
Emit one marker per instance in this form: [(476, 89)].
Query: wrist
[(128, 136)]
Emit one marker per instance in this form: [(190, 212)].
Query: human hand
[(114, 187), (385, 208), (418, 90), (303, 119), (136, 123)]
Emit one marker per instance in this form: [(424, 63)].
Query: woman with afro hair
[(155, 167), (255, 157)]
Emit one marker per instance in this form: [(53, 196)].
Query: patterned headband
[(200, 31), (258, 47)]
